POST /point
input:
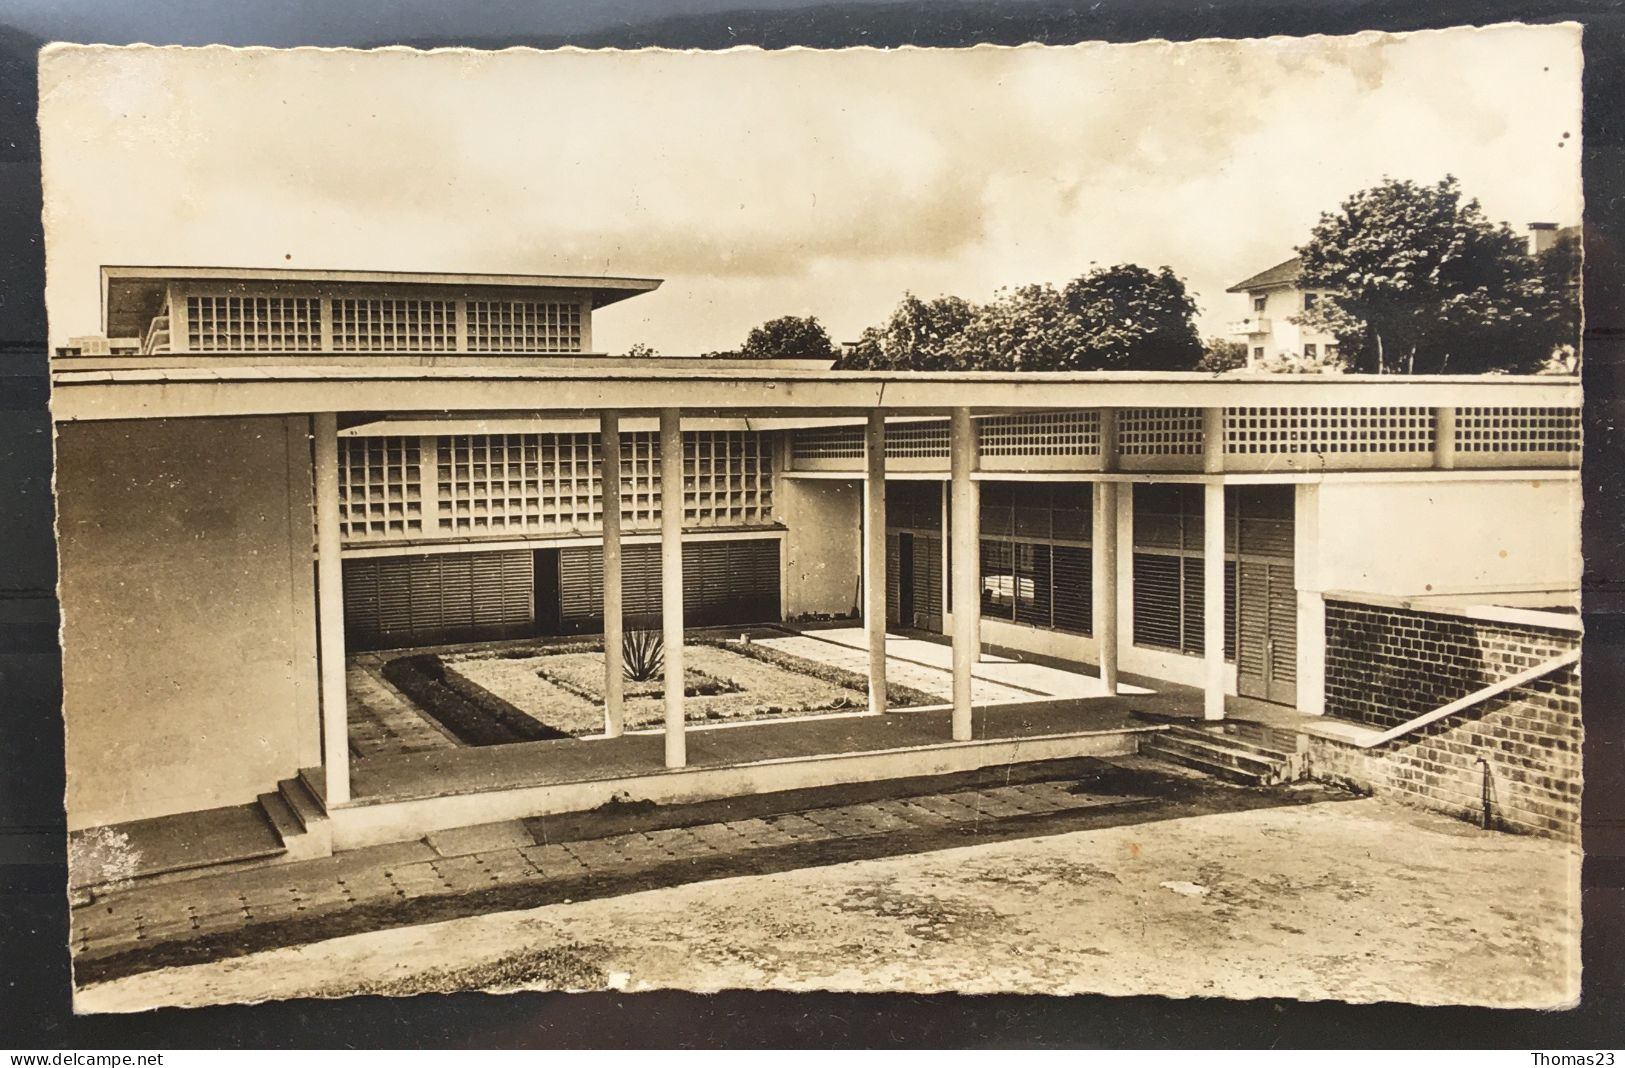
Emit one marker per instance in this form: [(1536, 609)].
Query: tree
[(919, 336), (1222, 354), (1421, 282), (1113, 318), (641, 350), (1559, 269), (789, 337), (1128, 318), (1024, 328)]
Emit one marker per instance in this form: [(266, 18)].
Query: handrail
[(1365, 738)]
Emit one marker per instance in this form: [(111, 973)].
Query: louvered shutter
[(1073, 588), (894, 594), (1157, 604)]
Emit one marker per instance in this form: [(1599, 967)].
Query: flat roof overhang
[(131, 296), (776, 393)]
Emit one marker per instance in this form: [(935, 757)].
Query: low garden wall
[(1387, 663)]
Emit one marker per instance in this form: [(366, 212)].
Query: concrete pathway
[(928, 666), (1361, 901), (382, 720)]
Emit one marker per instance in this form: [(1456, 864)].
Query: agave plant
[(643, 654)]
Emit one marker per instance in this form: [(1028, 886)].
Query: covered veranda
[(439, 790)]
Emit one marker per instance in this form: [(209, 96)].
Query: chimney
[(1542, 236)]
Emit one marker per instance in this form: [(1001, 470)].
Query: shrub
[(643, 655)]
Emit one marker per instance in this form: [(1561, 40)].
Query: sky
[(797, 182)]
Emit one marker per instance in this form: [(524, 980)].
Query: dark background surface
[(34, 978)]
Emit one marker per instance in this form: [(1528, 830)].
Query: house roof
[(1282, 274)]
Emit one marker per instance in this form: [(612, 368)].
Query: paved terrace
[(626, 848)]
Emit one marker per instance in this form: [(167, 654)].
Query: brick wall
[(1386, 665)]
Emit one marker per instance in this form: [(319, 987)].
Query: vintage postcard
[(1096, 519)]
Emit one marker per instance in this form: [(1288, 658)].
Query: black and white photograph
[(1051, 520)]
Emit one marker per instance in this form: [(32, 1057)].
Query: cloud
[(765, 182)]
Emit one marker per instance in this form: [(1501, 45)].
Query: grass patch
[(897, 695), (533, 691)]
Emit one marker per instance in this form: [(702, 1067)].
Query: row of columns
[(965, 555)]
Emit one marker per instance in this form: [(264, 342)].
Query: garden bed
[(530, 692)]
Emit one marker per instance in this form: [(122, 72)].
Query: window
[(1258, 352), (1259, 302), (1309, 350), (1331, 352), (1310, 300), (1035, 555), (1168, 566)]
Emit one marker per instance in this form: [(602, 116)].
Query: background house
[(1273, 299)]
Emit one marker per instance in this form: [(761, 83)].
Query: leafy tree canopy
[(1113, 318), (1130, 318), (1222, 354), (789, 337), (1422, 282), (920, 335)]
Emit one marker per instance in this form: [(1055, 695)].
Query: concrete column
[(1108, 439), (671, 579), (1212, 440), (1311, 652), (609, 478), (330, 613), (874, 556), (1311, 600), (1444, 438), (966, 507), (1213, 600), (1104, 570)]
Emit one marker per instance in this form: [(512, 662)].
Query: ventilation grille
[(828, 443), (550, 483), (380, 489), (1041, 434), (253, 324), (523, 326), (1160, 432), (917, 441), (394, 325), (1543, 430), (1288, 431)]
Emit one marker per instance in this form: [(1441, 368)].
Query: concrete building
[(298, 466), (1273, 300)]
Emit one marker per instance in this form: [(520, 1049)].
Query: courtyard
[(492, 693), (1137, 881)]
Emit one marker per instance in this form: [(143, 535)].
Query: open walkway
[(928, 666), (445, 772)]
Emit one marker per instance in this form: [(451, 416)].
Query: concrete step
[(1221, 736), (1231, 765), (284, 821), (1221, 751), (306, 831), (1283, 741)]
